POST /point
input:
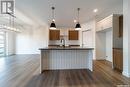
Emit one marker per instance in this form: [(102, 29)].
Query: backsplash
[(67, 42)]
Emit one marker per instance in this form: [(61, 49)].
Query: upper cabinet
[(54, 34), (105, 23), (63, 33), (73, 35)]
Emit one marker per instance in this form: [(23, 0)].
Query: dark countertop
[(66, 48)]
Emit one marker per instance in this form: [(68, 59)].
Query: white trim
[(126, 74)]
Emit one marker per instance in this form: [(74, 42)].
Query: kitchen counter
[(75, 57), (66, 48)]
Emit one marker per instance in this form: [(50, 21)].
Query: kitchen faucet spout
[(63, 42)]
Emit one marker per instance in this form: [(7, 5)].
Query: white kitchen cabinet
[(105, 23), (99, 26)]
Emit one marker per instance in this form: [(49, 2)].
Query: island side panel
[(41, 62), (90, 57), (44, 60), (66, 59)]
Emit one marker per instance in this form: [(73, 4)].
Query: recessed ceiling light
[(95, 10), (75, 21), (53, 20)]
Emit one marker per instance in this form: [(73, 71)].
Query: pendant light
[(53, 25), (78, 26)]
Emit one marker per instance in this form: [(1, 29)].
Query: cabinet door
[(118, 59), (73, 35), (54, 34)]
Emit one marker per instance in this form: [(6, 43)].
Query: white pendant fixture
[(78, 26), (53, 25)]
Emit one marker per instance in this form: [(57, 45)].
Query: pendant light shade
[(78, 26), (53, 25)]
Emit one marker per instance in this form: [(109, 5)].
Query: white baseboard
[(126, 74)]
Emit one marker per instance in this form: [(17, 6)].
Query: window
[(2, 44)]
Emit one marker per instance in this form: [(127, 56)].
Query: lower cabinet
[(118, 59)]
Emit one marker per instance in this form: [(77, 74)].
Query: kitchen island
[(53, 58)]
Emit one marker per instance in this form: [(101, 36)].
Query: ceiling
[(39, 11)]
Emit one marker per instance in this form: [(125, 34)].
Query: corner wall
[(126, 38), (109, 46)]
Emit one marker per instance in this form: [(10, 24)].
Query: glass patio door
[(2, 44)]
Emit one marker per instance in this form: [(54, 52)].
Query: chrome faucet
[(63, 42)]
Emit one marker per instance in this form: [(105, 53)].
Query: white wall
[(30, 40), (126, 38), (100, 45), (109, 45), (88, 37), (104, 45)]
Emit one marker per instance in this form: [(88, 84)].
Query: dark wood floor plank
[(23, 71)]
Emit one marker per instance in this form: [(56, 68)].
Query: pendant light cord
[(78, 14), (53, 8)]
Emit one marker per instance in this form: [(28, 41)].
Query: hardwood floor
[(23, 71)]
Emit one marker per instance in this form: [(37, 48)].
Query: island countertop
[(66, 48)]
